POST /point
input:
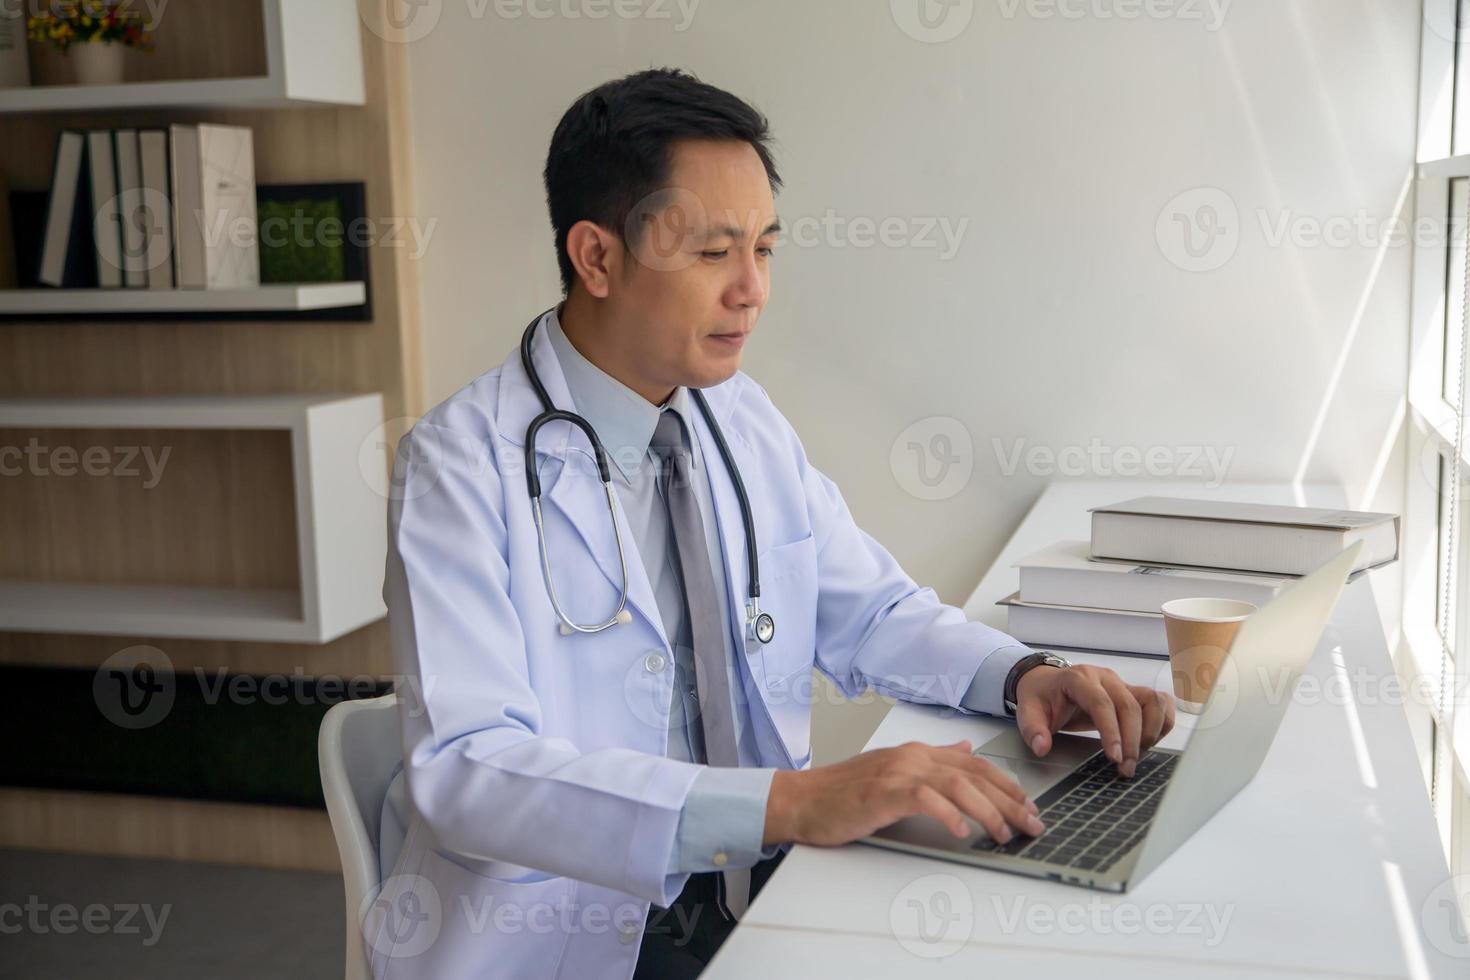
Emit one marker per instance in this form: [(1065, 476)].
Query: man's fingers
[(1090, 696), (993, 775), (1130, 719), (1165, 701), (1034, 723), (932, 803), (958, 757), (995, 811), (1153, 716)]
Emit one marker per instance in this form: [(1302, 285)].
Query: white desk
[(1327, 864)]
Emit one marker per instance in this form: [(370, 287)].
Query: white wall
[(1065, 318)]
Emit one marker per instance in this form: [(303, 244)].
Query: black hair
[(613, 147)]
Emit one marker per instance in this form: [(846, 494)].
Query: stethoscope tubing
[(761, 625)]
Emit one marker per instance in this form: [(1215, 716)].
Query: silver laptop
[(1107, 832)]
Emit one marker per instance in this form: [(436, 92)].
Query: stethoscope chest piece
[(759, 626)]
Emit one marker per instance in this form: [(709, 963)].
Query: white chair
[(358, 748)]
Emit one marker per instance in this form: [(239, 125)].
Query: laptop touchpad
[(1011, 755)]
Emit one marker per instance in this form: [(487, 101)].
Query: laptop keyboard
[(1094, 816)]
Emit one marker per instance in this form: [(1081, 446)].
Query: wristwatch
[(1013, 680)]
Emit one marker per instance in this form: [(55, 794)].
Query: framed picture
[(315, 233)]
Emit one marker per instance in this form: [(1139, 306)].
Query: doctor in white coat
[(587, 801)]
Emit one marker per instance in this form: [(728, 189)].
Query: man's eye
[(766, 250), (720, 254)]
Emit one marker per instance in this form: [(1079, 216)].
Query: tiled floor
[(71, 916)]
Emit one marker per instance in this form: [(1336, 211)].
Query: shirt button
[(721, 859), (627, 933), (654, 663)]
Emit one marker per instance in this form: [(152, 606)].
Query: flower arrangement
[(89, 22)]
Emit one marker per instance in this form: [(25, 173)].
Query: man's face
[(697, 271)]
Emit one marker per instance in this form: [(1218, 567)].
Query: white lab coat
[(544, 806)]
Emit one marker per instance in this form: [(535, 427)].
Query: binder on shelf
[(66, 249), (184, 181), (130, 198), (106, 230), (227, 206), (156, 212)]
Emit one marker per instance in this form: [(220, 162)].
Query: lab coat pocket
[(784, 666), (451, 921)]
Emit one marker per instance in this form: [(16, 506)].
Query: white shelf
[(203, 93), (153, 610), (274, 298), (174, 412), (313, 57), (341, 526), (1457, 166)]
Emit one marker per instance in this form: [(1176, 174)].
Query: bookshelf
[(238, 580), (310, 55), (340, 531)]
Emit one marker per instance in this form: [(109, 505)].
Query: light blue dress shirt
[(725, 811)]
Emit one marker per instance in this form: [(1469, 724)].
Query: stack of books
[(152, 208), (1106, 594)]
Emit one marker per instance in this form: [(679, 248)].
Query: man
[(604, 802)]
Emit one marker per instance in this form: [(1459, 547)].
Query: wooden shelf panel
[(154, 827)]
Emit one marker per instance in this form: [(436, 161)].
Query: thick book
[(227, 206), (66, 247), (1267, 538), (1065, 575), (188, 226), (106, 221), (159, 237), (1082, 628), (130, 203)]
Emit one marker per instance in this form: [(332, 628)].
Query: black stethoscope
[(759, 626)]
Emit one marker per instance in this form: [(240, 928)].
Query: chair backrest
[(358, 749)]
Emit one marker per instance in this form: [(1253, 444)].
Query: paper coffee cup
[(1200, 632)]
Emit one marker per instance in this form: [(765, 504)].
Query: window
[(1437, 518)]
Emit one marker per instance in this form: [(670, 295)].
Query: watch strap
[(1041, 658)]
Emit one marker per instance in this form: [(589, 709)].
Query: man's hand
[(836, 804), (1129, 720)]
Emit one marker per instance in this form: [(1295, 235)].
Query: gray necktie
[(712, 676)]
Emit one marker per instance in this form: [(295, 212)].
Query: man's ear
[(595, 254)]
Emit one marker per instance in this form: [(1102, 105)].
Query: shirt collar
[(624, 420)]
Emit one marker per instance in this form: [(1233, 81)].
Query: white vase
[(97, 64)]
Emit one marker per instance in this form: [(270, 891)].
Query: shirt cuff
[(723, 821), (986, 693)]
